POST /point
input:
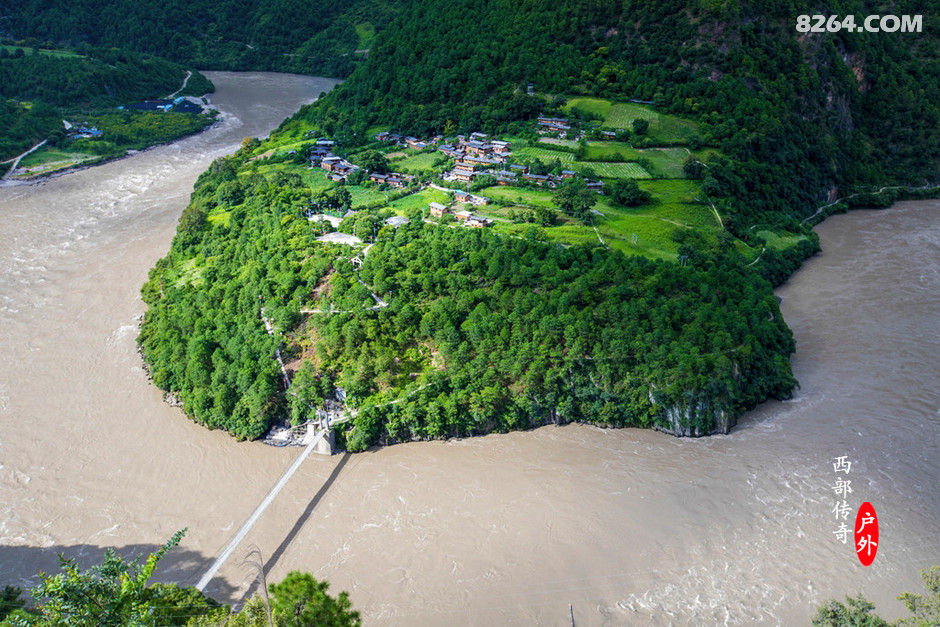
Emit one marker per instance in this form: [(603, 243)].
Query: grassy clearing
[(62, 54), (421, 162), (315, 178), (51, 156), (597, 107), (520, 196), (364, 196), (544, 154), (366, 33), (420, 200), (615, 170), (780, 241)]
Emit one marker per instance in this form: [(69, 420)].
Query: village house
[(538, 179), (438, 210), (477, 137), (464, 176), (383, 136), (330, 163), (478, 222), (505, 178), (461, 196), (395, 181), (501, 147), (463, 216), (567, 174), (597, 186), (478, 149), (450, 151), (376, 177), (609, 134), (521, 169)]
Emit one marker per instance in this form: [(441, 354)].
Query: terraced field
[(664, 128), (544, 154), (615, 170)]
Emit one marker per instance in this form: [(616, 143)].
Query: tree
[(303, 600), (575, 199), (114, 592), (692, 167), (299, 600), (926, 610), (640, 126), (627, 192), (374, 161), (858, 612)]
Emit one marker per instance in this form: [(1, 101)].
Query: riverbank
[(12, 179)]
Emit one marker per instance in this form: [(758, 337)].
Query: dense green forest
[(39, 88), (566, 308), (489, 332), (286, 35)]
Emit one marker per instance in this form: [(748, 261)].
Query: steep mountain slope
[(285, 35)]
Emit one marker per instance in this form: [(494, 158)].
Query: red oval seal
[(866, 534)]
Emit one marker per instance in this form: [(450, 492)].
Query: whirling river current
[(625, 526)]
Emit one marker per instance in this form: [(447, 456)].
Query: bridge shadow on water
[(301, 521)]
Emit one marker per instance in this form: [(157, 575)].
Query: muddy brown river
[(626, 526)]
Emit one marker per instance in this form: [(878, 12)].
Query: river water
[(626, 526)]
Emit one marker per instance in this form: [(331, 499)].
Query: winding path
[(182, 87), (16, 160)]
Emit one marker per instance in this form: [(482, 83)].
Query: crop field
[(519, 196), (568, 143), (662, 127), (622, 114), (614, 151), (544, 154), (615, 170), (665, 161)]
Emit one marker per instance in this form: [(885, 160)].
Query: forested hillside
[(802, 117), (286, 35)]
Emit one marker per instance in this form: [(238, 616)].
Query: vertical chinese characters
[(842, 489)]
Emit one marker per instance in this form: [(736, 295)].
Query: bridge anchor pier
[(326, 445)]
